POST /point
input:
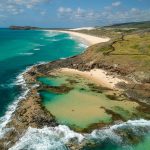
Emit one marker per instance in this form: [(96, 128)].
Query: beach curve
[(85, 38), (33, 73)]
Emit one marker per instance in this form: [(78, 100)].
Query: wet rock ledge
[(30, 112)]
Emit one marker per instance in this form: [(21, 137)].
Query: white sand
[(88, 39), (97, 76), (83, 28)]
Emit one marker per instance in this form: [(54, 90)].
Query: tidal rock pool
[(80, 104)]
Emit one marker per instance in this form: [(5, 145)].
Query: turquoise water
[(52, 81), (20, 49), (109, 145), (60, 104)]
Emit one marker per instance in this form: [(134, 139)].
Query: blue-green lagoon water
[(22, 49)]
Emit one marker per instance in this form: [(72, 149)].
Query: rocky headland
[(23, 28), (121, 57)]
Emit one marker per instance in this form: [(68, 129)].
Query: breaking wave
[(51, 33), (36, 49), (26, 53), (47, 138), (56, 138), (82, 45), (11, 108)]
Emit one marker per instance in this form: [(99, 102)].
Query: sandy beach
[(87, 39), (98, 76)]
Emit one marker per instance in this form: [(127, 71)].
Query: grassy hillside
[(132, 53), (139, 25), (117, 30), (128, 51), (128, 55)]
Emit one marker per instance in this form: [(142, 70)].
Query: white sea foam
[(26, 53), (11, 108), (40, 63), (82, 45), (6, 85), (63, 58), (49, 33), (41, 45), (48, 138), (133, 125), (60, 39), (55, 40), (36, 49), (55, 138)]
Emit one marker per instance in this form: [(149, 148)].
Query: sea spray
[(28, 54), (20, 81), (48, 138), (56, 138), (11, 108), (36, 49), (24, 43), (82, 45), (134, 125)]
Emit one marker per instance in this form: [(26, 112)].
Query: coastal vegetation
[(126, 57), (85, 105)]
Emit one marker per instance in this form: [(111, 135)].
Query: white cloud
[(26, 2), (63, 10), (106, 16), (116, 4), (70, 13), (17, 6), (43, 12), (131, 15)]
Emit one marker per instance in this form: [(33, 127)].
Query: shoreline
[(89, 40), (28, 108), (97, 76), (30, 111)]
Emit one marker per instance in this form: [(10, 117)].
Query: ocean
[(20, 50)]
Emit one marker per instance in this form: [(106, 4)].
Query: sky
[(72, 13)]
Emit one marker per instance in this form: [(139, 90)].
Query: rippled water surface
[(21, 49)]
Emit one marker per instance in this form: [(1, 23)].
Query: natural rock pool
[(80, 103)]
